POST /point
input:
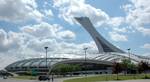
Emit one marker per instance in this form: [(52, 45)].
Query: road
[(61, 80), (20, 80)]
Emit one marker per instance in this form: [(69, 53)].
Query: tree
[(132, 68), (64, 68), (117, 68), (143, 67), (126, 63)]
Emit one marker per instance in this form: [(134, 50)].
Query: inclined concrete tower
[(102, 44)]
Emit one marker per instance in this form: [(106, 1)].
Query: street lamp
[(85, 49), (129, 59), (46, 55), (129, 53)]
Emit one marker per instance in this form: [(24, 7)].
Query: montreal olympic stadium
[(101, 64)]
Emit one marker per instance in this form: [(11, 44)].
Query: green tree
[(126, 64), (64, 68), (117, 68), (132, 68), (143, 67)]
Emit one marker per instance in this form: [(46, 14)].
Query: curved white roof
[(118, 57)]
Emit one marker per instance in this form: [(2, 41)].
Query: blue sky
[(26, 26)]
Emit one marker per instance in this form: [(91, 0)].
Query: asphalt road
[(19, 80), (61, 80)]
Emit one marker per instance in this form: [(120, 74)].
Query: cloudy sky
[(27, 26)]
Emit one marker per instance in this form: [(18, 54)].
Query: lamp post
[(46, 55), (129, 53), (129, 59), (85, 49)]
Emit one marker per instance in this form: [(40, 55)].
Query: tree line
[(127, 67)]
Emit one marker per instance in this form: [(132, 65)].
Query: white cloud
[(146, 46), (138, 15), (78, 48), (117, 37), (42, 30), (38, 45), (48, 13), (122, 30), (115, 21), (45, 30), (139, 12), (67, 35), (44, 34), (76, 8), (8, 40), (145, 31), (19, 10)]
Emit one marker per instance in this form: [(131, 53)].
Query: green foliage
[(117, 68), (106, 78), (127, 66), (64, 68), (143, 66), (132, 66), (126, 63)]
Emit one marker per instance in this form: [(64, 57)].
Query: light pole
[(129, 53), (46, 55), (129, 59), (85, 49)]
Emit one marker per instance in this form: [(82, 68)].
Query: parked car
[(43, 78)]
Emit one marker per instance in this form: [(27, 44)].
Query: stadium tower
[(102, 44)]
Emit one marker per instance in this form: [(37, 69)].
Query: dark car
[(43, 78)]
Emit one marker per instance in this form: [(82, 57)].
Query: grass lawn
[(26, 77), (107, 78)]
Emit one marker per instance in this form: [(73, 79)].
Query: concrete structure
[(107, 51), (102, 44), (31, 65), (38, 65)]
